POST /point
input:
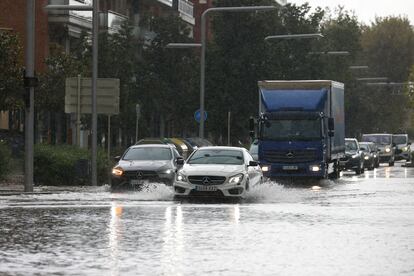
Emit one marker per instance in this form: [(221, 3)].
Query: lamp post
[(95, 25)]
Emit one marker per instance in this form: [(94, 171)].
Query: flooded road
[(358, 225)]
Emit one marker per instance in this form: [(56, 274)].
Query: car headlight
[(405, 148), (167, 171), (314, 168), (366, 157), (265, 168), (387, 150), (117, 171), (236, 179), (355, 156), (181, 177)]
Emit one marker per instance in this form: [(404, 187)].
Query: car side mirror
[(253, 163), (179, 161), (117, 158)]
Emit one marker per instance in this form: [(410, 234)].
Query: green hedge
[(5, 156), (55, 165)]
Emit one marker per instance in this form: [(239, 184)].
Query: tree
[(11, 76), (238, 57)]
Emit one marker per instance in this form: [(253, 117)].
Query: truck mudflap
[(315, 169)]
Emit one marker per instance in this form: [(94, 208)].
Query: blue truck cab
[(300, 129)]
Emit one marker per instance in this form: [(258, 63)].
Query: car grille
[(206, 179), (195, 193), (140, 174), (289, 156)]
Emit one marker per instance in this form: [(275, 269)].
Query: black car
[(369, 155), (375, 152), (141, 163), (354, 157)]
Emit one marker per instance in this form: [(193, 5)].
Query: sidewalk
[(14, 185)]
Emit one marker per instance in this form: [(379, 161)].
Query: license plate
[(206, 188), (290, 168), (136, 181)]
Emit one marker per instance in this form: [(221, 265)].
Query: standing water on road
[(358, 225)]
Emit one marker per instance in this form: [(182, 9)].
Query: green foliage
[(56, 165), (51, 94), (11, 76), (5, 156)]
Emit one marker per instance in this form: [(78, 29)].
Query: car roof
[(152, 146), (222, 148), (376, 134), (351, 139)]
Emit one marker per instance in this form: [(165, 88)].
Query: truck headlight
[(117, 171), (314, 168), (265, 168), (236, 179), (181, 177)]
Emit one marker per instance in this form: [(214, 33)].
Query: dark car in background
[(370, 154), (385, 144), (402, 147), (354, 157), (375, 152), (145, 163)]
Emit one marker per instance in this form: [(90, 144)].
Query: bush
[(5, 156), (57, 165)]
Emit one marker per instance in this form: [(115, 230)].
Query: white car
[(217, 172)]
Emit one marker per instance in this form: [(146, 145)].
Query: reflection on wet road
[(358, 225)]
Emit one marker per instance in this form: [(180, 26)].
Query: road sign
[(197, 115), (107, 96)]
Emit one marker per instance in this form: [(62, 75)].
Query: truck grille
[(206, 179), (290, 156), (140, 174)]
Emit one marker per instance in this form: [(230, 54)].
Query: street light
[(183, 45), (331, 53), (373, 79), (294, 36), (358, 67), (95, 30), (203, 49)]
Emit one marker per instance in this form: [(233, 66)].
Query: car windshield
[(399, 139), (148, 153), (378, 139), (292, 130), (365, 148), (217, 156), (351, 146)]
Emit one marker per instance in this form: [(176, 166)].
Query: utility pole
[(29, 83)]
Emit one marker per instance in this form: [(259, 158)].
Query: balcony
[(111, 21), (76, 21), (186, 11)]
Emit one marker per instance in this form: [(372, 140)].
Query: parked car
[(385, 145), (354, 157), (403, 147), (217, 172), (370, 155), (148, 162)]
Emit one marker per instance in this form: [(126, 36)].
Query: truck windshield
[(378, 139), (305, 130), (400, 139)]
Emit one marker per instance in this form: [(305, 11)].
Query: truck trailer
[(300, 130)]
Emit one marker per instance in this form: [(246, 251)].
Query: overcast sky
[(366, 10)]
